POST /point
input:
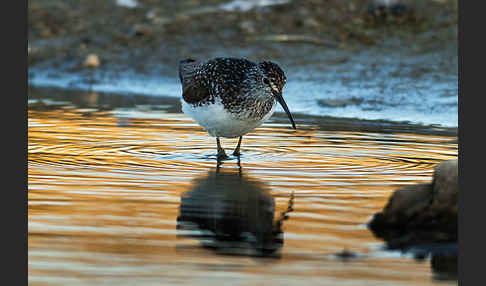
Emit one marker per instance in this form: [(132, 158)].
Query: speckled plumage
[(229, 97), (239, 84)]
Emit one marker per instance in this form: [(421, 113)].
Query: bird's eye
[(266, 81)]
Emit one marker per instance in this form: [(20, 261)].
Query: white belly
[(220, 123)]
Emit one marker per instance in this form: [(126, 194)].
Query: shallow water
[(130, 193), (397, 84)]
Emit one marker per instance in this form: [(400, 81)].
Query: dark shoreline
[(109, 101)]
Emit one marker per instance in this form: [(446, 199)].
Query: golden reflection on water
[(105, 189)]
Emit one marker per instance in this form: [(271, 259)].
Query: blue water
[(419, 89)]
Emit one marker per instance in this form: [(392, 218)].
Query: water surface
[(128, 192), (402, 85)]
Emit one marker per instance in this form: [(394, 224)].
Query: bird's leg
[(237, 149), (240, 172), (221, 154), (218, 165)]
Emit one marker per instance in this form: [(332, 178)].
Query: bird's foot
[(222, 155)]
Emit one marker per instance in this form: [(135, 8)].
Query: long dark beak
[(284, 105)]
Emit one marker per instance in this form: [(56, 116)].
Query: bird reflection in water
[(231, 213)]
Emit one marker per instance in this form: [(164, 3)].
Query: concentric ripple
[(105, 190)]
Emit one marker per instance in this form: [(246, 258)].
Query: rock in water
[(421, 213), (446, 188)]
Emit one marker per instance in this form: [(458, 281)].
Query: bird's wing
[(193, 90)]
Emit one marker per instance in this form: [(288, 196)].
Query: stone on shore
[(92, 61)]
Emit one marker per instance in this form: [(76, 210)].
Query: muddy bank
[(152, 35)]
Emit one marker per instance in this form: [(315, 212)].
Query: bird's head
[(275, 78)]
